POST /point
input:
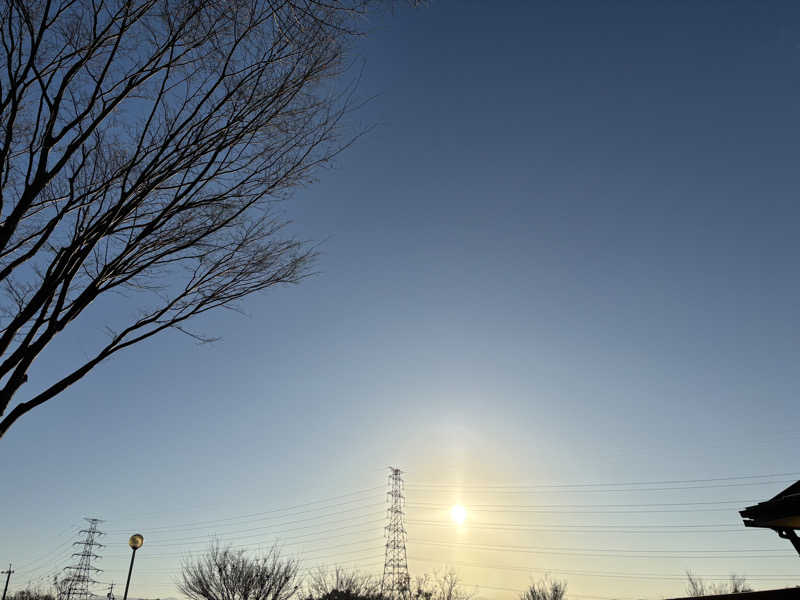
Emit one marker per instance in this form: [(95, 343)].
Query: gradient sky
[(567, 254)]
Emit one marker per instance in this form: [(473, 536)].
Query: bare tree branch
[(142, 148)]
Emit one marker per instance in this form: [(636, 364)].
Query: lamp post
[(135, 542)]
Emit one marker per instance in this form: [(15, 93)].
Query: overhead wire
[(307, 503), (523, 509), (280, 542), (604, 574), (269, 530), (250, 517), (260, 544), (601, 552), (586, 528), (607, 484)]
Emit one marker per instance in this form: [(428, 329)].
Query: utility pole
[(8, 578), (110, 594), (396, 583)]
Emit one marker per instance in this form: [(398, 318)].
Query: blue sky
[(567, 253)]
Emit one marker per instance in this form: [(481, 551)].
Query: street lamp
[(135, 542)]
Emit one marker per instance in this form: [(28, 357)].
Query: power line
[(604, 574), (253, 545), (510, 508), (202, 524), (45, 557), (477, 508), (281, 542), (250, 517), (270, 530), (308, 503), (607, 484), (628, 505), (589, 528), (629, 553), (306, 570), (316, 559), (610, 489), (267, 533), (519, 591)]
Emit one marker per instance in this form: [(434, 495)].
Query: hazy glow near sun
[(458, 513)]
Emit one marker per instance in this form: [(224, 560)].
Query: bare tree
[(545, 589), (441, 586), (696, 587), (338, 582), (55, 591), (32, 594), (224, 574), (60, 585), (143, 144)]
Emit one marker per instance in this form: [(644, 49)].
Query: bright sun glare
[(458, 513)]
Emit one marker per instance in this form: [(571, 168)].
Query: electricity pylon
[(396, 583), (79, 575)]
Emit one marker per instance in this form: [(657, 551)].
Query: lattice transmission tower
[(396, 583), (79, 577)]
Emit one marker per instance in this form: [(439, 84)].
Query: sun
[(458, 514)]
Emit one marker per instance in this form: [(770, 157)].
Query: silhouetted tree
[(440, 586), (545, 589), (31, 594), (696, 587), (143, 144), (225, 574), (56, 590), (341, 584), (343, 595)]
